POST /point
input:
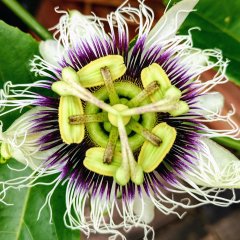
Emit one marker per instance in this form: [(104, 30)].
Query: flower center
[(136, 126), (113, 119), (120, 117)]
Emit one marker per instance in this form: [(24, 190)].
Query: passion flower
[(123, 121)]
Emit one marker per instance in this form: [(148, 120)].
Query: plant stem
[(28, 19), (228, 142)]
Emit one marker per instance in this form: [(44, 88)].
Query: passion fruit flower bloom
[(122, 121)]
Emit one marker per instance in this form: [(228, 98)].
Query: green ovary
[(98, 131)]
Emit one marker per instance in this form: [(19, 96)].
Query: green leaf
[(220, 28), (228, 142), (19, 222), (17, 48)]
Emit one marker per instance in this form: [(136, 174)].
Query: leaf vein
[(21, 221)]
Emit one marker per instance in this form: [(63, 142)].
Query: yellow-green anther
[(155, 73), (88, 118), (181, 107), (5, 151), (62, 88), (106, 75), (147, 134), (111, 145), (94, 162), (70, 106), (145, 93), (151, 156), (90, 75), (70, 77), (113, 119), (173, 93)]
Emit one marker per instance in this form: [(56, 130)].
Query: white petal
[(33, 161), (195, 59), (51, 51), (210, 103), (22, 144), (80, 28), (144, 208), (215, 167), (76, 22), (23, 123), (171, 21)]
